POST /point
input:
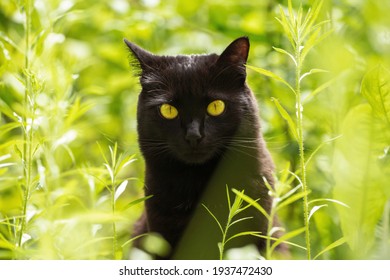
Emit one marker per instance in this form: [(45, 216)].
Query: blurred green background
[(82, 100)]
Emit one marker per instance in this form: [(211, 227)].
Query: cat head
[(191, 106)]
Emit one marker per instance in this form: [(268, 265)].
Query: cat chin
[(195, 158)]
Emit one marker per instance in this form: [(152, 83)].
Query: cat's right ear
[(140, 59)]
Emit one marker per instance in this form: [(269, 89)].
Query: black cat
[(199, 131)]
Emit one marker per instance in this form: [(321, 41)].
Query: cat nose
[(193, 135)]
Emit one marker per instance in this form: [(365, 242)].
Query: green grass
[(71, 174)]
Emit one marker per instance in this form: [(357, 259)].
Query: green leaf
[(286, 117), (215, 218), (18, 151), (310, 19), (5, 244), (137, 201), (239, 220), (120, 189), (291, 199), (315, 209), (110, 171), (252, 202), (133, 239), (274, 239), (102, 153), (6, 110), (329, 200), (245, 233), (8, 127), (314, 39), (125, 161), (77, 111), (318, 90), (376, 88), (271, 75), (228, 197), (8, 40), (268, 186), (287, 236), (299, 16), (312, 71), (236, 205), (288, 28), (335, 244), (319, 147), (360, 181), (7, 164), (291, 192), (291, 13), (286, 53)]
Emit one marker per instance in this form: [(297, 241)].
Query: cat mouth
[(195, 156)]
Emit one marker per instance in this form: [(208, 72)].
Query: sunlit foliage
[(71, 174)]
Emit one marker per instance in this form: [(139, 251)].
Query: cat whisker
[(234, 149), (240, 138), (236, 145)]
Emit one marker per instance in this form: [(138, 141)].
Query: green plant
[(53, 201), (362, 169), (81, 93), (235, 208), (114, 165), (303, 32), (283, 196)]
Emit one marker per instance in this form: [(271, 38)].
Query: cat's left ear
[(236, 53), (140, 57)]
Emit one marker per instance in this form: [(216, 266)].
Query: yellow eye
[(216, 108), (168, 111)]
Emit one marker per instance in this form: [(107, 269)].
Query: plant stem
[(269, 228), (299, 113), (113, 189), (115, 241), (115, 237), (386, 231), (27, 127), (222, 248)]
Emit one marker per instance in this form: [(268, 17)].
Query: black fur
[(229, 149)]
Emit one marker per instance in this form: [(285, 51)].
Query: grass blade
[(135, 202), (329, 200), (215, 218), (133, 239), (253, 203), (335, 244), (275, 239), (286, 117), (120, 189), (287, 236), (244, 233), (282, 51), (312, 71), (315, 209), (291, 199), (271, 75), (318, 90), (239, 220)]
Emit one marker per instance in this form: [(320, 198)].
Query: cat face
[(191, 107)]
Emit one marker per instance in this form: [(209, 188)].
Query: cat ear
[(140, 58), (236, 53)]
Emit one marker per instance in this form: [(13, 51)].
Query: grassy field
[(71, 174)]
